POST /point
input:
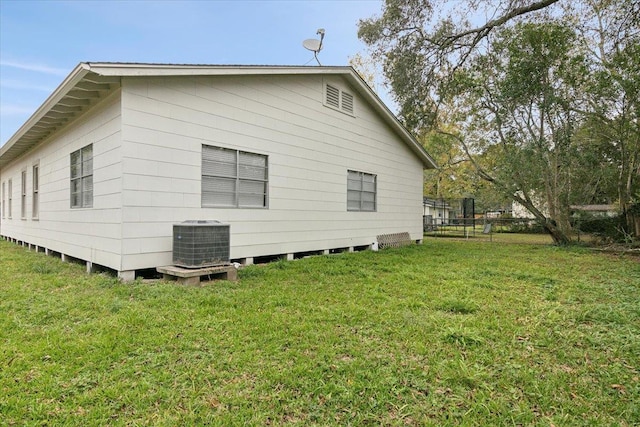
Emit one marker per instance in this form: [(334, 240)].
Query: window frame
[(35, 191), (361, 191), (23, 194), (234, 175), (83, 177), (10, 198), (4, 198)]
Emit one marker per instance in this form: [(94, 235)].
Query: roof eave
[(17, 144), (137, 69), (67, 84)]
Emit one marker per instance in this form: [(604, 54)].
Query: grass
[(501, 234), (496, 236), (447, 333)]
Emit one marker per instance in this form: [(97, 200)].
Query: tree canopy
[(541, 98)]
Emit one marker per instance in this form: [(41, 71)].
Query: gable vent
[(338, 99), (333, 96), (347, 102)]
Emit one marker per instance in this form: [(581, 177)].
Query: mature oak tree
[(611, 32), (518, 88)]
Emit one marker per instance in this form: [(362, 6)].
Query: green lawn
[(494, 237), (446, 333)]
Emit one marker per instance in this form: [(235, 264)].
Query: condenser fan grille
[(200, 244)]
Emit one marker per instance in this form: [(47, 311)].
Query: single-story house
[(436, 211), (519, 211), (294, 159), (599, 211), (497, 212)]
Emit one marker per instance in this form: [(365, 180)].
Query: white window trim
[(4, 199), (363, 191), (23, 194), (10, 198), (238, 180), (35, 191), (81, 177)]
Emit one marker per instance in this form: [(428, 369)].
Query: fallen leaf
[(618, 387)]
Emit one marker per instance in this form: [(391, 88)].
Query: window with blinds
[(338, 99), (23, 194), (35, 208), (82, 177), (361, 191), (233, 178), (10, 198), (3, 200)]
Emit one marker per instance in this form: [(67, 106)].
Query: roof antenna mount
[(315, 45)]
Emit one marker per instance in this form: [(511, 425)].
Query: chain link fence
[(458, 218)]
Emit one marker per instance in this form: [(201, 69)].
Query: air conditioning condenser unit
[(200, 244)]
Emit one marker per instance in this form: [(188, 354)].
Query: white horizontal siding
[(295, 135), (92, 234), (165, 122)]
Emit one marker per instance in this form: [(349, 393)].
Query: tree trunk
[(632, 219), (559, 237)]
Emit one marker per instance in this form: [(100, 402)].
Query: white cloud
[(39, 68)]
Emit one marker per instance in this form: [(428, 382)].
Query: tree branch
[(482, 32)]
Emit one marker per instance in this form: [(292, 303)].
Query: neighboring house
[(295, 159), (497, 212), (601, 211), (436, 211), (519, 211)]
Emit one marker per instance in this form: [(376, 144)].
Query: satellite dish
[(315, 45), (312, 45)]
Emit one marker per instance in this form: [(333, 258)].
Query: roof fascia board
[(129, 70), (67, 84)]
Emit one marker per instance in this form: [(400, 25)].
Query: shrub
[(609, 228), (526, 226)]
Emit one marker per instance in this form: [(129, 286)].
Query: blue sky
[(42, 41)]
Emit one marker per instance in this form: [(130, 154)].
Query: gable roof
[(594, 208), (91, 81)]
